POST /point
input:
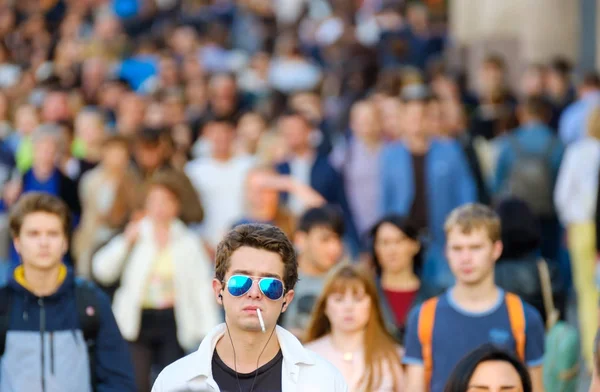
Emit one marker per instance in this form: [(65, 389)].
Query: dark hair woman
[(396, 257), (489, 368)]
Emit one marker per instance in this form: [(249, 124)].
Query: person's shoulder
[(177, 374), (533, 318), (323, 369), (88, 286), (318, 345), (198, 164), (393, 147)]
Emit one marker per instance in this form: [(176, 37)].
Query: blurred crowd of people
[(163, 124)]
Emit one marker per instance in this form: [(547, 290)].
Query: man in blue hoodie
[(45, 338)]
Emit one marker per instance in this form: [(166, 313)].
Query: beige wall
[(597, 34), (542, 28)]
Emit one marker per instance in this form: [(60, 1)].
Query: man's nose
[(254, 291)]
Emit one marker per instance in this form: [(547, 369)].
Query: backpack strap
[(5, 306), (426, 322), (516, 316), (88, 309)]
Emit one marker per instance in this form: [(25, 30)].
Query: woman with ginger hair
[(347, 328)]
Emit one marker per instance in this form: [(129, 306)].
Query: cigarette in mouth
[(260, 319)]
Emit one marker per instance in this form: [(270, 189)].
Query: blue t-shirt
[(456, 332)]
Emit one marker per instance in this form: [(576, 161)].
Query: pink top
[(352, 366)]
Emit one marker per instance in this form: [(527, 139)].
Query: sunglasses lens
[(239, 285), (271, 288)]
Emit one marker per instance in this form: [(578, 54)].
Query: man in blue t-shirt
[(473, 312)]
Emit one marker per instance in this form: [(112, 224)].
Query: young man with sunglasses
[(256, 271)]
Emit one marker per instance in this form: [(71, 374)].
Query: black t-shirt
[(418, 211), (268, 376)]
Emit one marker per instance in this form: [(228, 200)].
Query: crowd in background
[(165, 123)]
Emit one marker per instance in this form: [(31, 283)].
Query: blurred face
[(260, 197), (364, 122), (90, 129), (495, 376), (221, 136), (161, 205), (148, 156), (196, 93), (413, 115), (250, 128), (169, 74), (26, 120), (471, 256), (56, 107), (349, 311), (42, 241), (240, 312), (116, 157), (491, 78), (223, 97), (45, 152), (453, 117), (533, 82), (321, 247), (192, 69), (391, 117), (434, 123), (131, 112), (556, 85), (295, 132), (395, 251)]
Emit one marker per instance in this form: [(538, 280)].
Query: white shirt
[(221, 186), (576, 188), (300, 169), (302, 369)]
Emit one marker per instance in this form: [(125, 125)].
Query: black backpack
[(88, 308)]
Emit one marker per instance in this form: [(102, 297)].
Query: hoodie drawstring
[(42, 332)]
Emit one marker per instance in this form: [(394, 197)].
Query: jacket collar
[(294, 354)]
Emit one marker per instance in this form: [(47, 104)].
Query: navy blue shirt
[(457, 332)]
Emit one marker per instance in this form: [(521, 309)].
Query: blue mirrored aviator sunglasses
[(272, 288)]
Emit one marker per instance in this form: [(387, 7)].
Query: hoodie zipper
[(42, 332), (52, 353)]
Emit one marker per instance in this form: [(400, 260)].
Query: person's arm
[(107, 263), (502, 168), (534, 347), (568, 124), (113, 366), (413, 357), (202, 294), (415, 378), (465, 179), (286, 183), (564, 186), (387, 183), (537, 378)]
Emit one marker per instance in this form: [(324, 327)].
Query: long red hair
[(380, 348)]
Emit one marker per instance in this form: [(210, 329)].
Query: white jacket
[(576, 188), (196, 311), (302, 369)]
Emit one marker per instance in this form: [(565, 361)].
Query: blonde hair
[(593, 123), (380, 347), (474, 216)]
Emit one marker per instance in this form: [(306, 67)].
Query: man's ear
[(300, 240), (287, 299), (498, 248), (218, 290), (17, 243)]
